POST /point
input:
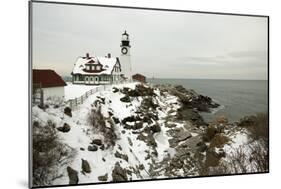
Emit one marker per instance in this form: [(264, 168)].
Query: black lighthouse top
[(125, 40), (125, 33)]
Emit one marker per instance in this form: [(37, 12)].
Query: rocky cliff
[(135, 132)]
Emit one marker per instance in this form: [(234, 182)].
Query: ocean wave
[(215, 110)]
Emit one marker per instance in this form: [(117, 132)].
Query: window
[(97, 68)]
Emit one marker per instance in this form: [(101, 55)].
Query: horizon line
[(210, 79), (151, 78)]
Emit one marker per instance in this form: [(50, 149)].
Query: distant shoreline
[(239, 97), (207, 79)]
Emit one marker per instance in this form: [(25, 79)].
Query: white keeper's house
[(94, 70)]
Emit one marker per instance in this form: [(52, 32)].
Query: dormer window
[(98, 68)]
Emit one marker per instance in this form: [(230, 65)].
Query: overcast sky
[(164, 44)]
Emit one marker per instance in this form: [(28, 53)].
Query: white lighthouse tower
[(125, 58)]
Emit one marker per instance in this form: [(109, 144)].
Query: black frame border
[(30, 63)]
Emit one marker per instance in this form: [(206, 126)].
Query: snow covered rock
[(154, 135)]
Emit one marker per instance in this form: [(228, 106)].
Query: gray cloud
[(164, 44), (206, 60), (249, 54), (235, 58)]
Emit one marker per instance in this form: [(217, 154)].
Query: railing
[(73, 103)]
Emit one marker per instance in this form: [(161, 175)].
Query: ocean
[(238, 98)]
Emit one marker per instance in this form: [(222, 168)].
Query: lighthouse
[(125, 57)]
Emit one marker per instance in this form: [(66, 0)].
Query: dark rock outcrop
[(67, 111), (85, 166), (119, 174), (148, 103), (131, 119), (72, 175), (115, 90), (121, 156), (140, 90), (116, 120), (103, 177), (97, 142), (192, 100), (92, 148), (65, 128), (155, 128), (247, 121), (191, 115), (102, 147), (130, 141), (125, 99), (201, 146)]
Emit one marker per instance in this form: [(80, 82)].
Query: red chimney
[(108, 55)]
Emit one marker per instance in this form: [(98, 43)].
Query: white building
[(50, 82), (93, 70), (96, 70)]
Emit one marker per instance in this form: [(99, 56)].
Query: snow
[(73, 90), (107, 63), (238, 140), (163, 147), (243, 148), (82, 133), (194, 134)]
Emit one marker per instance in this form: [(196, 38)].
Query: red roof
[(138, 75), (47, 78)]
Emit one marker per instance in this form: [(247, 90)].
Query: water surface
[(237, 98)]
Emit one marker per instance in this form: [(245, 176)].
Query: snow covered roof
[(106, 63)]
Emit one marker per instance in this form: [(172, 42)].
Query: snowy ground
[(103, 162), (81, 134), (241, 153), (73, 91)]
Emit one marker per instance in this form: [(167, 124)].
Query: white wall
[(53, 92)]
